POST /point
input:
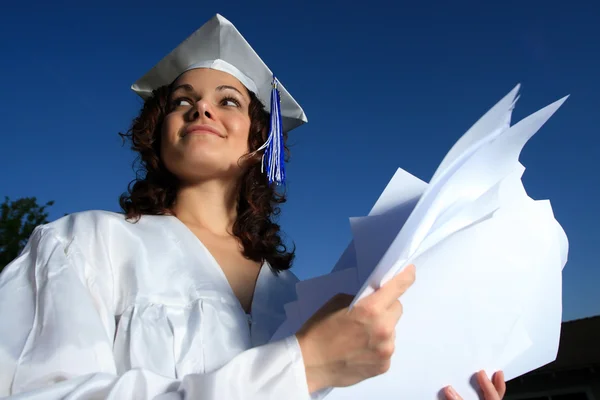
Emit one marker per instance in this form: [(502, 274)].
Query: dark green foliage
[(18, 219)]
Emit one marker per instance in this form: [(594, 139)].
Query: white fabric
[(218, 39), (224, 66), (99, 307)]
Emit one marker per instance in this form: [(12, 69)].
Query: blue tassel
[(273, 157)]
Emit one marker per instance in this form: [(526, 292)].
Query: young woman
[(179, 296)]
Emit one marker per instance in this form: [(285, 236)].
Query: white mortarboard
[(219, 45)]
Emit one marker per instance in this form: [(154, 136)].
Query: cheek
[(170, 130), (170, 126), (240, 128), (169, 134)]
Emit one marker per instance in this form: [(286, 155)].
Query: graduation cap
[(219, 45)]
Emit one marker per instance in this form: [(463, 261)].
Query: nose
[(202, 108)]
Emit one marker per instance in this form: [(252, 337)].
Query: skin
[(493, 389), (208, 166), (340, 347), (213, 98), (366, 346)]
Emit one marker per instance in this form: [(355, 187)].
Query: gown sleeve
[(57, 329)]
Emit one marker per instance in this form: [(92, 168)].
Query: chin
[(203, 162), (203, 156)]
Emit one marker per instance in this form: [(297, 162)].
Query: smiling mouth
[(201, 130)]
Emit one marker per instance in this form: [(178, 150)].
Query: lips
[(201, 129)]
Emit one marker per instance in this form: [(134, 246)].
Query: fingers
[(382, 328), (489, 390), (451, 394), (499, 383), (492, 390), (386, 295)]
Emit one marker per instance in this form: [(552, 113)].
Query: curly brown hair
[(154, 189)]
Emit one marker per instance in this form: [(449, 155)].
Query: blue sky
[(383, 87)]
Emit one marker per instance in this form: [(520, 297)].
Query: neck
[(211, 205)]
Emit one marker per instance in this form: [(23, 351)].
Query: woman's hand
[(491, 390), (342, 348)]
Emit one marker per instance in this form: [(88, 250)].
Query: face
[(206, 129)]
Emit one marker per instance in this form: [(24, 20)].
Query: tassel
[(273, 157)]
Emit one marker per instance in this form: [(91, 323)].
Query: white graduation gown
[(97, 307)]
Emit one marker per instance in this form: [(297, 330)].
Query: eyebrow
[(185, 86), (189, 88), (225, 87)]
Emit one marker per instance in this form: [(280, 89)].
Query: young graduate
[(178, 296)]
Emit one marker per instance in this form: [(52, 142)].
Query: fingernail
[(453, 393)]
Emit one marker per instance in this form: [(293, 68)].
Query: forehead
[(207, 79)]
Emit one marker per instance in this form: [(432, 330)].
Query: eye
[(181, 101), (230, 102)]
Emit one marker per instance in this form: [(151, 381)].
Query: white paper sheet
[(540, 285), (313, 293), (464, 181), (400, 197), (292, 323), (489, 261), (465, 313), (402, 192), (493, 123)]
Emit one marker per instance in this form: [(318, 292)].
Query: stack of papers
[(488, 263)]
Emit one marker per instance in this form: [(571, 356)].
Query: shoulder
[(97, 224), (83, 241), (99, 240), (107, 235), (87, 221)]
